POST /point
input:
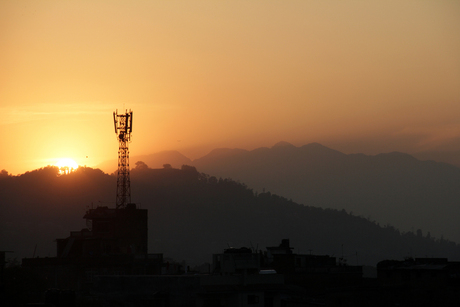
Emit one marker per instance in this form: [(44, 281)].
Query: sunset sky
[(356, 76)]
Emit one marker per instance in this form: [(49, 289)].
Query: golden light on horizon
[(66, 165)]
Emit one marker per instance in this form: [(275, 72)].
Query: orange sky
[(357, 76)]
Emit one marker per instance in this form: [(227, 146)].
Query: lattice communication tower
[(123, 127)]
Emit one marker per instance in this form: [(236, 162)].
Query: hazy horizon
[(358, 77), (104, 164)]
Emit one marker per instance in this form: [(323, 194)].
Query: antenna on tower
[(123, 124)]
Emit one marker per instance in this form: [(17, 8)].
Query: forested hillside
[(391, 188), (192, 215)]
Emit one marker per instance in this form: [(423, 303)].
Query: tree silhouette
[(141, 165)]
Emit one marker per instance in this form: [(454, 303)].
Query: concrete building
[(114, 243), (109, 232), (420, 281), (310, 271)]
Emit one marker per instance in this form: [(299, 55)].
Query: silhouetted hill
[(283, 144), (39, 206), (392, 188), (192, 215), (156, 160), (452, 156)]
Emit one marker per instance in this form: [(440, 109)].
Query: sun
[(66, 165)]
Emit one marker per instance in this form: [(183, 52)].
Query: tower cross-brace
[(123, 127)]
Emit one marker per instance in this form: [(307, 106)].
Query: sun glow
[(66, 165)]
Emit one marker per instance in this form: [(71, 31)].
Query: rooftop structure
[(109, 232)]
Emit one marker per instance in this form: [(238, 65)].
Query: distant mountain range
[(391, 188), (451, 156), (156, 160), (193, 215), (176, 159)]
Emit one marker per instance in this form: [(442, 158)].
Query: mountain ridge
[(155, 160), (192, 215), (392, 188)]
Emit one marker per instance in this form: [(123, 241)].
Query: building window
[(298, 262), (107, 249), (253, 299), (101, 227), (268, 302), (90, 275)]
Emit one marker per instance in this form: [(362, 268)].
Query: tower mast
[(123, 124)]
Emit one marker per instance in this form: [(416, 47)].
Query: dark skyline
[(191, 215)]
